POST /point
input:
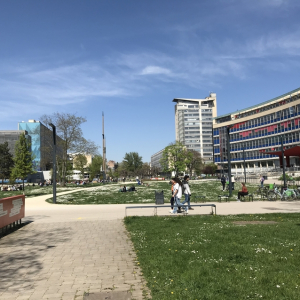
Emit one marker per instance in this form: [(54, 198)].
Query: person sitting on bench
[(243, 192)]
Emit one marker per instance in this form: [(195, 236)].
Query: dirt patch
[(254, 222)]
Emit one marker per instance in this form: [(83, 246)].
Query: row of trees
[(18, 166), (175, 158), (132, 165)]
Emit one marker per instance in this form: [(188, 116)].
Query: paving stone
[(9, 296), (80, 255), (24, 297)]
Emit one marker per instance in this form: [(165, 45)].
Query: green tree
[(154, 171), (210, 169), (6, 161), (144, 171), (194, 163), (175, 158), (95, 166), (80, 162), (122, 170), (23, 159), (132, 162)]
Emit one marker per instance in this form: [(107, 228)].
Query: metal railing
[(213, 206)]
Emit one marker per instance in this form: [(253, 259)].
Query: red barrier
[(12, 209)]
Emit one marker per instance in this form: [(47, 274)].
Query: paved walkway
[(69, 250)]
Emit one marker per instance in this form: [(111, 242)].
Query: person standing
[(172, 193), (177, 194), (223, 181), (262, 179), (232, 182), (187, 191)]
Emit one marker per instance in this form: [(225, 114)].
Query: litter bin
[(159, 197), (271, 186)]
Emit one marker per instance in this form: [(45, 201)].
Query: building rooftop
[(258, 105)]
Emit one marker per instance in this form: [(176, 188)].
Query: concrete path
[(68, 251)]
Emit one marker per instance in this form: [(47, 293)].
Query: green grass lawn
[(33, 191), (212, 257), (109, 194)]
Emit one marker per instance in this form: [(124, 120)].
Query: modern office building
[(11, 137), (194, 123), (41, 143), (256, 131), (155, 159)]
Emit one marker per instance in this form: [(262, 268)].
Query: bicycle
[(285, 195), (297, 192)]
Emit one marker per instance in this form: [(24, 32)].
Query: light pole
[(229, 159), (244, 162), (283, 162), (104, 150), (54, 162)]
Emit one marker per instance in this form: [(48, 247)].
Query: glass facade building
[(256, 130), (41, 143)]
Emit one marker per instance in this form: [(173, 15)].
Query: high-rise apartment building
[(193, 124)]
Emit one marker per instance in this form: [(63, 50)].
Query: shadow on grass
[(22, 251)]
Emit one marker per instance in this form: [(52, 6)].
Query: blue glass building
[(41, 139)]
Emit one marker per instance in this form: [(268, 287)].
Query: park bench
[(223, 197), (213, 206), (245, 197)]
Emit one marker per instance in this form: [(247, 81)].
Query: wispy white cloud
[(205, 64), (153, 70)]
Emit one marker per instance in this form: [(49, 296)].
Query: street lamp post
[(54, 162), (244, 163), (283, 162), (229, 159)]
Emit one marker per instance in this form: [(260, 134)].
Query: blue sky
[(130, 59)]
